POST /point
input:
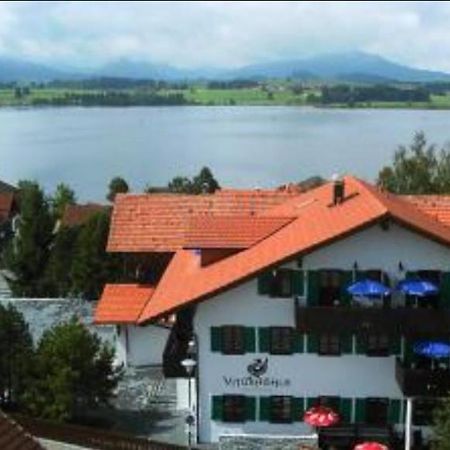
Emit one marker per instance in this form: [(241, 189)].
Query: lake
[(244, 146)]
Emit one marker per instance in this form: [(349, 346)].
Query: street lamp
[(189, 365)]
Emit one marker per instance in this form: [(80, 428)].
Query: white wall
[(141, 346), (309, 375)]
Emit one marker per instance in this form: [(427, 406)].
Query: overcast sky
[(198, 34)]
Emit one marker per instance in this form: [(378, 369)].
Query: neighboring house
[(14, 437), (258, 281), (76, 215)]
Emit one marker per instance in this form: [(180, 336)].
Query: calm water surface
[(245, 146)]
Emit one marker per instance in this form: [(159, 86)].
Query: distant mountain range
[(351, 66)]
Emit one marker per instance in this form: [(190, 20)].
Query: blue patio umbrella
[(368, 288), (418, 288), (431, 349)]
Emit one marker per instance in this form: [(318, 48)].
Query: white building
[(261, 289)]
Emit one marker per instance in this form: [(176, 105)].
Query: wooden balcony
[(415, 382), (408, 322)]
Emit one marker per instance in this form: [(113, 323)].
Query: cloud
[(193, 34)]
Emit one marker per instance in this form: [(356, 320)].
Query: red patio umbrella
[(321, 416), (371, 446)]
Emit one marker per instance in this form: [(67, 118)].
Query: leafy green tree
[(181, 185), (117, 186), (57, 277), (16, 354), (63, 196), (28, 252), (92, 266), (417, 169), (73, 371), (441, 438), (205, 182)]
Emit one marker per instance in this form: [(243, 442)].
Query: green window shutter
[(250, 408), (217, 407), (264, 409), (264, 283), (313, 288), (216, 339), (313, 343), (310, 402), (410, 355), (445, 291), (346, 280), (410, 275), (347, 343), (396, 345), (298, 285), (346, 410), (360, 410), (298, 409), (360, 275), (299, 341), (264, 339), (361, 347), (394, 411), (250, 344)]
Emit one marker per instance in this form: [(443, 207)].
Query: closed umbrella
[(371, 446), (321, 416)]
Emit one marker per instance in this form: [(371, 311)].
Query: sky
[(223, 33)]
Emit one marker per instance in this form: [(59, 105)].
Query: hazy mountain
[(352, 66), (19, 70)]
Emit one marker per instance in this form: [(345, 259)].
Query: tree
[(28, 252), (73, 371), (417, 169), (16, 354), (204, 182), (117, 186), (92, 267), (63, 196), (441, 428), (181, 185), (57, 278)]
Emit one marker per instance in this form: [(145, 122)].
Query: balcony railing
[(408, 322), (419, 382)]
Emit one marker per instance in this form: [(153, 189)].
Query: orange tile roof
[(122, 303), (75, 215), (317, 223), (158, 222), (437, 206), (14, 437), (230, 232), (6, 205)]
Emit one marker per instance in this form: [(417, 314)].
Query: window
[(434, 276), (332, 402), (377, 411), (281, 409), (329, 344), (329, 287), (423, 411), (282, 283), (281, 340), (377, 345), (233, 340), (234, 408)]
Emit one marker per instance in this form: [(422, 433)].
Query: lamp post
[(189, 365)]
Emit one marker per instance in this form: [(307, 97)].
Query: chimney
[(338, 189)]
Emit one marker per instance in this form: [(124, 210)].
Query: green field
[(278, 94)]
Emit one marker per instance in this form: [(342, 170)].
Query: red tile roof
[(6, 205), (437, 206), (122, 303), (230, 232), (317, 223), (158, 222), (75, 215), (14, 437)]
